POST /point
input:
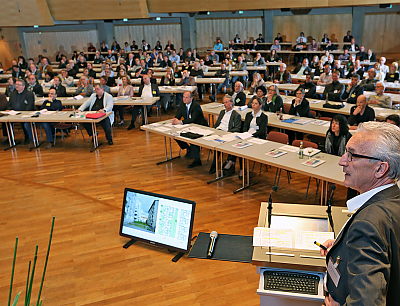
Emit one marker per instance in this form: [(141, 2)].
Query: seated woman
[(167, 80), (257, 81), (176, 72), (273, 57), (274, 102), (126, 89), (320, 68), (261, 91), (335, 142), (393, 75), (11, 86), (315, 62)]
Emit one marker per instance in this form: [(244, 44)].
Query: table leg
[(96, 143), (11, 138), (217, 172), (35, 138), (166, 152), (145, 114), (248, 179)]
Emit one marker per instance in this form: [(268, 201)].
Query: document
[(257, 140), (289, 148), (78, 97), (244, 135), (242, 145), (302, 121), (11, 113), (161, 129), (313, 162), (305, 239), (275, 153)]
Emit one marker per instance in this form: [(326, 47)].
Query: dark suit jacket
[(195, 114), (310, 88), (369, 115), (334, 91), (235, 121), (369, 250), (154, 90), (303, 109), (360, 72), (373, 57), (28, 101), (307, 70), (37, 90), (287, 78), (240, 99), (60, 90), (358, 90), (274, 106), (261, 122)]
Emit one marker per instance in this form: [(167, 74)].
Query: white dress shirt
[(225, 121), (146, 92), (253, 123)]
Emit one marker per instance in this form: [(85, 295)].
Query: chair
[(325, 118), (313, 113), (280, 138), (286, 108), (64, 126), (307, 144)]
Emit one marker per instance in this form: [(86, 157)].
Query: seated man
[(84, 89), (309, 87), (103, 82), (100, 102), (183, 82), (393, 119), (239, 97), (326, 77), (91, 72), (110, 78), (36, 72), (190, 112), (353, 90), (228, 120), (239, 66), (147, 89), (66, 80), (370, 82), (213, 57), (218, 45), (165, 62), (300, 46), (142, 70), (337, 67), (174, 57), (248, 57), (362, 54), (300, 107), (345, 56), (276, 46), (60, 89), (361, 112), (34, 86), (380, 99), (17, 73), (98, 58), (333, 91), (353, 46), (51, 104), (329, 46), (198, 73), (89, 78), (223, 73), (357, 69), (45, 66), (282, 76), (302, 69)]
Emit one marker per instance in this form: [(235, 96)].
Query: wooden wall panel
[(94, 10), (391, 41), (25, 13), (207, 30), (151, 33), (313, 26), (373, 29), (10, 46)]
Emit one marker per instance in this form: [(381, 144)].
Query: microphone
[(329, 209), (213, 239), (274, 188)]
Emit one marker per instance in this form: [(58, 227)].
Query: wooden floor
[(84, 191)]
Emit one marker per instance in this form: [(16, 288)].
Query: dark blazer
[(37, 89), (235, 121), (303, 109), (372, 58), (60, 90), (21, 74), (360, 72), (164, 81), (261, 122), (287, 78), (349, 46), (307, 70), (310, 89), (195, 114), (154, 90), (240, 99), (55, 105), (274, 106), (358, 90), (28, 101), (334, 91), (369, 115), (368, 246)]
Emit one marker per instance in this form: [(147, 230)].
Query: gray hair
[(228, 97), (383, 85), (386, 145)]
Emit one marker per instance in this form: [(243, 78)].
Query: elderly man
[(353, 90), (239, 97), (380, 99), (326, 77), (100, 102), (302, 69), (34, 86), (213, 56), (66, 80), (383, 69), (361, 112), (51, 104), (282, 76), (363, 261), (45, 68), (110, 56), (228, 120), (35, 71), (248, 57), (84, 89), (190, 112), (198, 73), (334, 90), (89, 78), (239, 66), (357, 69), (276, 46), (337, 67), (370, 82), (98, 58)]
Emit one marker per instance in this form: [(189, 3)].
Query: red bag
[(95, 115)]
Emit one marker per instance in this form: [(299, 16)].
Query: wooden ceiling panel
[(97, 10), (184, 6), (25, 13)]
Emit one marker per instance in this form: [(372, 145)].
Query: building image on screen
[(141, 212)]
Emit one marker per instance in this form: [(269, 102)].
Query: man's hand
[(373, 102), (269, 97), (176, 121), (329, 301), (101, 111), (357, 110), (328, 245), (297, 101)]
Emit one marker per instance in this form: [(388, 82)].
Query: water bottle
[(301, 150)]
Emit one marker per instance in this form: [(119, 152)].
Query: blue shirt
[(218, 47)]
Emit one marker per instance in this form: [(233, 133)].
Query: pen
[(321, 245)]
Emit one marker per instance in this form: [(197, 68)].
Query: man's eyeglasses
[(350, 156)]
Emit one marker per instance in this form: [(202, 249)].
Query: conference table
[(34, 117), (256, 150)]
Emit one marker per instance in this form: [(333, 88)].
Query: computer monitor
[(157, 219)]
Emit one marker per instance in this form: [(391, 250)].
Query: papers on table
[(275, 153), (215, 106), (138, 99), (11, 113), (302, 121), (242, 145), (321, 122), (121, 98), (287, 238), (313, 162), (184, 88), (161, 129), (257, 140), (285, 116), (198, 130), (240, 108), (244, 135), (216, 138), (290, 148), (310, 152), (78, 97)]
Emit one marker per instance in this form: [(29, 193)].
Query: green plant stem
[(33, 273), (45, 264), (27, 281), (12, 273)]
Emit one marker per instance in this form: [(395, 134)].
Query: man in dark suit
[(348, 37), (228, 120), (34, 86), (239, 97), (353, 90), (300, 107), (353, 46), (309, 87), (22, 100), (363, 261), (171, 46), (190, 112), (302, 69), (334, 90), (17, 73), (356, 69), (60, 89), (147, 89)]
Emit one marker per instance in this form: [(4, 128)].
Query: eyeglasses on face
[(350, 156)]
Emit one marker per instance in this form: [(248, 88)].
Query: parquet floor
[(87, 264)]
